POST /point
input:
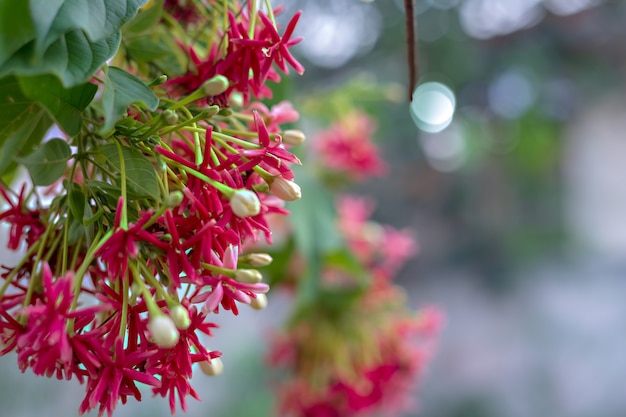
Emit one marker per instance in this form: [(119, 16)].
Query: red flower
[(116, 379)]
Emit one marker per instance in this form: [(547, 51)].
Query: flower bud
[(293, 137), (259, 303), (245, 203), (211, 111), (180, 316), (248, 276), (285, 190), (163, 330), (215, 86), (212, 367), (258, 259), (170, 117), (161, 79), (174, 199)]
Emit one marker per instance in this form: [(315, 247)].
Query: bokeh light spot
[(432, 107)]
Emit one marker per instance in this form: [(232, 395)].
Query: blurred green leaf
[(16, 27), (145, 19), (65, 105), (146, 49), (23, 140), (122, 89), (48, 162), (15, 108)]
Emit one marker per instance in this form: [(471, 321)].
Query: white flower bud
[(285, 190), (215, 86), (293, 137), (180, 316), (212, 367), (245, 203), (259, 303), (174, 199), (163, 331), (248, 276), (258, 259), (170, 117)]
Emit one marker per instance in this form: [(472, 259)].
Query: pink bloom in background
[(382, 248), (346, 147), (374, 374)]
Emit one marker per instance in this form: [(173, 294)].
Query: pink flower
[(245, 55), (347, 148), (224, 290)]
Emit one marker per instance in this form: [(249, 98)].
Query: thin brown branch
[(411, 41)]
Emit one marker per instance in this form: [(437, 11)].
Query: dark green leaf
[(78, 201), (141, 179), (65, 105), (15, 109), (16, 27), (48, 162), (122, 89), (70, 39), (22, 141)]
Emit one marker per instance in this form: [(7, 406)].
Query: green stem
[(17, 268), (123, 217)]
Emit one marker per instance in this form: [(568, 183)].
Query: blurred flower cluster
[(168, 169)]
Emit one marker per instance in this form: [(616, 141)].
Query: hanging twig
[(411, 40)]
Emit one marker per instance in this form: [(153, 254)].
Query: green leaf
[(65, 105), (146, 49), (68, 38), (77, 200), (145, 19), (48, 162), (73, 58), (16, 27), (315, 234), (15, 108), (22, 141), (122, 89), (141, 179)]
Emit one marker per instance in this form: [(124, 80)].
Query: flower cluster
[(362, 353), (143, 239)]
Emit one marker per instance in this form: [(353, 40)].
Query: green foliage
[(70, 39), (122, 89), (22, 141), (48, 162), (65, 105), (145, 19), (141, 178), (319, 242), (15, 108)]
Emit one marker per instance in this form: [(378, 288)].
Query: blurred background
[(510, 166)]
